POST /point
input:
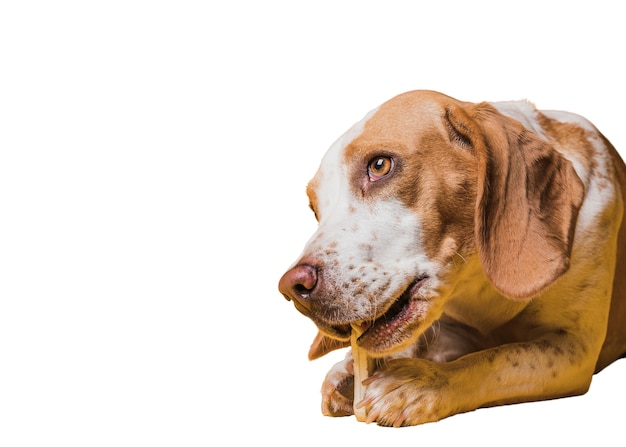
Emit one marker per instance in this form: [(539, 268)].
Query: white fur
[(522, 111), (372, 265)]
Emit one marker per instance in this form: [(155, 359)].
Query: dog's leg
[(414, 391), (338, 389)]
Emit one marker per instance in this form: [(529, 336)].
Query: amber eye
[(379, 167)]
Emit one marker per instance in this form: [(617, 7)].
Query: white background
[(153, 160)]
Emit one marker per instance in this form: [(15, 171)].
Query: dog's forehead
[(401, 120), (330, 181), (405, 117)]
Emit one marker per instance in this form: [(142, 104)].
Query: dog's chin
[(392, 330)]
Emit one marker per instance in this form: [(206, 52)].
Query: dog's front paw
[(406, 392), (338, 390)]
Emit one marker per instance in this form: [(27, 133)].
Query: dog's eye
[(379, 167)]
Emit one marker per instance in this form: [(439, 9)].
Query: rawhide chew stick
[(363, 367)]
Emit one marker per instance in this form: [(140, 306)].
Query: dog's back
[(615, 343)]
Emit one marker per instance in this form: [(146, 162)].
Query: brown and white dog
[(478, 244)]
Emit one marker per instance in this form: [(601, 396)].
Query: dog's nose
[(298, 283)]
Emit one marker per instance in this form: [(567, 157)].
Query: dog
[(476, 244)]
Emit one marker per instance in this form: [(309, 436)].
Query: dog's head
[(407, 196)]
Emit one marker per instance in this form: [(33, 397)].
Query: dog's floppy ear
[(528, 198), (323, 344)]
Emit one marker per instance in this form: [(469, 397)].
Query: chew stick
[(363, 366)]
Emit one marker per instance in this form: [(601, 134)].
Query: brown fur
[(524, 225)]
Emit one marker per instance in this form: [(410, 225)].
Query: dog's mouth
[(393, 326)]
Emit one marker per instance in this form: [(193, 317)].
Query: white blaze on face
[(332, 176), (368, 251)]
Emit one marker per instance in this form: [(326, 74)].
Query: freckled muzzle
[(303, 286), (386, 329)]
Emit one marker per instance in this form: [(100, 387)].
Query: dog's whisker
[(461, 256)]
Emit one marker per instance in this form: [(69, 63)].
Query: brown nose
[(298, 284)]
